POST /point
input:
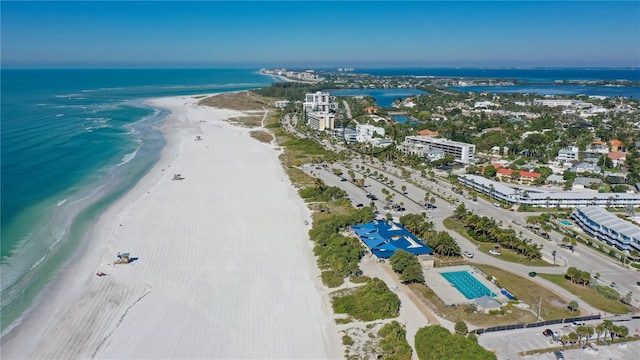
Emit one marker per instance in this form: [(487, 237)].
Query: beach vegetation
[(304, 151), (393, 343), (372, 301), (347, 340), (335, 251), (332, 279), (435, 342), (261, 136), (461, 328), (289, 90), (319, 192)]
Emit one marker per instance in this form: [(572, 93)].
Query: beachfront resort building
[(537, 197), (417, 145), (320, 110), (607, 227)]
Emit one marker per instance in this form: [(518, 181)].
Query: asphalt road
[(582, 258)]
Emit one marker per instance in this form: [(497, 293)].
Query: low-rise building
[(366, 132), (568, 154), (598, 147), (550, 199), (607, 227), (281, 104), (518, 176)]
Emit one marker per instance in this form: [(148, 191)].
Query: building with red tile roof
[(525, 177), (616, 145), (427, 132)]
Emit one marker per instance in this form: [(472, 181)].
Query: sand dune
[(225, 267)]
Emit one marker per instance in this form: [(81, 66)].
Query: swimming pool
[(468, 285), (566, 222)]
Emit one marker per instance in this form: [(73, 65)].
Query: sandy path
[(225, 266)]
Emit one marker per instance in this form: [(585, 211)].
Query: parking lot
[(509, 344)]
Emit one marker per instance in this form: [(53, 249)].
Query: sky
[(320, 33)]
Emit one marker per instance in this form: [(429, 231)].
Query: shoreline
[(211, 264)]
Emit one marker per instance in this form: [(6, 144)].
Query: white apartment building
[(364, 133), (281, 104), (319, 110), (320, 120), (463, 152), (568, 154), (319, 101)]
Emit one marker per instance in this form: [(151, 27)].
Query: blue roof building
[(385, 237)]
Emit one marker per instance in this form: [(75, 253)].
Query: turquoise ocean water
[(72, 142)]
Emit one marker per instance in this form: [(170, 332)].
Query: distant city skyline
[(320, 34)]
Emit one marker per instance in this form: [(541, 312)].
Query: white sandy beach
[(225, 266)]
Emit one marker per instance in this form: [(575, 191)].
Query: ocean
[(73, 142)]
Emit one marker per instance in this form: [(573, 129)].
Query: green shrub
[(461, 328), (437, 343), (608, 292), (373, 301), (496, 312), (393, 343), (332, 279), (347, 340)]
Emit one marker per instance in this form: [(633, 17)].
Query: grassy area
[(458, 313), (529, 292), (261, 136), (588, 294), (507, 255)]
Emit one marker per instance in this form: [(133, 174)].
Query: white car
[(495, 252), (468, 254)]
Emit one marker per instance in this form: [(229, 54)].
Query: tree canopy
[(437, 343)]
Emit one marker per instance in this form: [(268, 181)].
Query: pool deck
[(448, 293)]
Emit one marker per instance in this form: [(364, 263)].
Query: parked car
[(468, 254), (547, 332), (577, 323), (558, 355), (495, 252)]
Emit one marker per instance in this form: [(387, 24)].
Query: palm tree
[(600, 329), (573, 337), (319, 185)]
